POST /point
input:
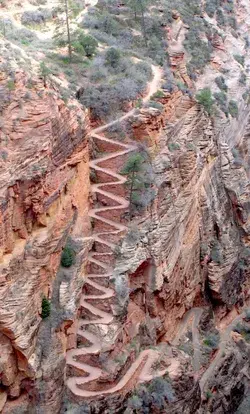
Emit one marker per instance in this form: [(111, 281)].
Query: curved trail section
[(195, 314), (225, 338), (142, 366)]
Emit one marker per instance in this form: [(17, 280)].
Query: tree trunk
[(68, 29), (131, 193), (143, 24)]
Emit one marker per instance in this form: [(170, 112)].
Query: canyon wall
[(44, 199), (189, 248)]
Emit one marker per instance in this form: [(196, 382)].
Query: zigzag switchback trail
[(98, 260)]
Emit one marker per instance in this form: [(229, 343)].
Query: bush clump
[(113, 57), (151, 398), (220, 82), (31, 17), (240, 59), (68, 256), (243, 78), (221, 101), (114, 85), (204, 98), (86, 44), (46, 308), (211, 7), (212, 340)]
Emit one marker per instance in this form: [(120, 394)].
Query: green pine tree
[(44, 73), (46, 308), (139, 180), (64, 31)]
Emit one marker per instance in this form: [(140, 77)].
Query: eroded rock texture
[(44, 189)]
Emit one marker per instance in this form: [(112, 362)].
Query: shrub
[(88, 43), (247, 317), (46, 308), (98, 73), (199, 50), (215, 253), (121, 287), (156, 105), (240, 59), (246, 95), (221, 101), (221, 20), (232, 22), (151, 398), (243, 78), (204, 98), (107, 98), (212, 341), (209, 394), (117, 131), (113, 57), (211, 6), (158, 94), (135, 403), (173, 146), (220, 82), (31, 17), (68, 256), (44, 73), (237, 157), (11, 85), (233, 109)]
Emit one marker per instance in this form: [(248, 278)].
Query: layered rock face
[(44, 198)]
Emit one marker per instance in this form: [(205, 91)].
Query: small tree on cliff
[(204, 98), (139, 181)]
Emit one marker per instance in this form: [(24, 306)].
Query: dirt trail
[(194, 314), (143, 364)]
